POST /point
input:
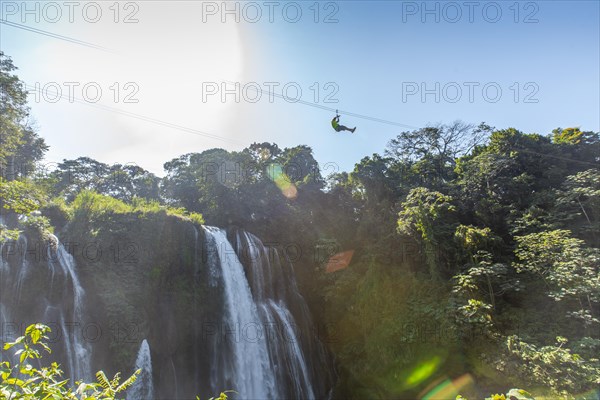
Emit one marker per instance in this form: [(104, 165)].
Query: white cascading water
[(4, 320), (258, 295), (53, 301), (274, 289), (252, 372), (24, 270), (143, 387), (296, 363), (176, 391), (196, 258), (78, 350), (4, 316)]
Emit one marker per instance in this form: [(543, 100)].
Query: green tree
[(571, 270), (301, 167), (508, 184), (20, 149), (123, 182), (481, 278), (427, 215), (20, 146), (432, 151), (578, 204)]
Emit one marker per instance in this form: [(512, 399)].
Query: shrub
[(24, 381)]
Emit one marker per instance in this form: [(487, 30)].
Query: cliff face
[(111, 283)]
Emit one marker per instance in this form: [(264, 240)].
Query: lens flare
[(339, 261), (283, 182), (422, 372), (449, 389)]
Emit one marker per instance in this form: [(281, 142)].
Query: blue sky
[(547, 71)]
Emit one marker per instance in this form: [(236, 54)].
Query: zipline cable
[(322, 107), (54, 35), (138, 116), (304, 102)]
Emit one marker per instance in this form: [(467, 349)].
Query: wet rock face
[(144, 280)]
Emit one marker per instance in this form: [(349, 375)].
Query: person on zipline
[(335, 122)]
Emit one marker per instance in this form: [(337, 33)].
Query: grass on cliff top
[(91, 205)]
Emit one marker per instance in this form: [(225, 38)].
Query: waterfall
[(251, 374), (4, 314), (174, 378), (78, 350), (271, 350), (4, 322), (295, 350), (239, 323), (143, 387), (34, 297), (23, 271), (196, 252), (296, 363)]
